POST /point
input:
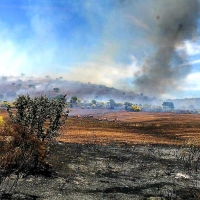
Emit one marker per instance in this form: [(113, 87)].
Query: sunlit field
[(131, 128)]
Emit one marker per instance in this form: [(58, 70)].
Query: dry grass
[(133, 128)]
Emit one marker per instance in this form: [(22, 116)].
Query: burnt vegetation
[(27, 135), (116, 155)]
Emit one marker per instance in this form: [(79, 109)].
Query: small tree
[(168, 105), (127, 105), (112, 103), (136, 108), (27, 136), (60, 96), (39, 119), (74, 99), (94, 102), (78, 101)]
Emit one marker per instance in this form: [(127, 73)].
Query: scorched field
[(121, 156)]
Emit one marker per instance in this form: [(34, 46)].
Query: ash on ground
[(90, 171)]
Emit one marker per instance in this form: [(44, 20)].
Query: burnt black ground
[(98, 172)]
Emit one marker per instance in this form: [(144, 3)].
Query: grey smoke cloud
[(151, 31), (173, 22), (96, 41)]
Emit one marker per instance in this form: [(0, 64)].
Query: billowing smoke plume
[(126, 44), (175, 21)]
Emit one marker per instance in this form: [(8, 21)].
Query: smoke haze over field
[(138, 45)]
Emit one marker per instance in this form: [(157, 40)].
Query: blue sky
[(109, 42)]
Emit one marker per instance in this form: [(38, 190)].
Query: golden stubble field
[(132, 128)]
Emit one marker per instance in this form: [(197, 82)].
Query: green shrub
[(25, 138), (34, 124)]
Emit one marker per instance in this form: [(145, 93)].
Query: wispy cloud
[(194, 62), (192, 82), (139, 23), (191, 48)]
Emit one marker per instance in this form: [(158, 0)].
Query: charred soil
[(89, 171), (141, 156)]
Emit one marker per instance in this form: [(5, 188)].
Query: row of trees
[(74, 101), (111, 104)]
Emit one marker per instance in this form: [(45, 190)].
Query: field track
[(131, 128)]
